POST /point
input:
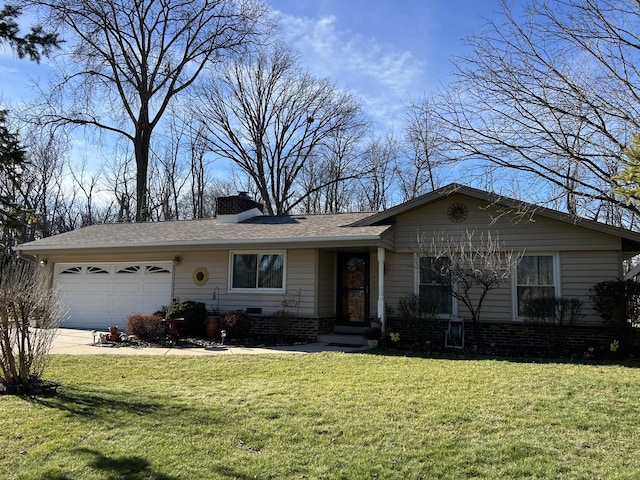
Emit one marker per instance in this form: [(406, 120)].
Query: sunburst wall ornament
[(200, 276), (457, 212)]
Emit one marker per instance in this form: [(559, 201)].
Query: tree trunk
[(141, 147)]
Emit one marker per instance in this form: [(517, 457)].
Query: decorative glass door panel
[(353, 289)]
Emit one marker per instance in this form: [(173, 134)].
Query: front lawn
[(323, 416)]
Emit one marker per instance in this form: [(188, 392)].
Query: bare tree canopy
[(553, 95), (127, 60), (424, 149), (272, 119)]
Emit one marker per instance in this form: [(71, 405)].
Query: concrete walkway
[(80, 342)]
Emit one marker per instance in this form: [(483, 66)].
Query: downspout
[(381, 309)]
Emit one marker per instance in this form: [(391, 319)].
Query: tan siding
[(327, 276), (581, 271), (398, 278), (388, 240), (301, 280), (497, 306), (516, 233), (301, 284), (216, 264)]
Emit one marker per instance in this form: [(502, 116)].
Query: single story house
[(330, 272)]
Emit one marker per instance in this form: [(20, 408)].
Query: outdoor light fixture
[(223, 334), (43, 262)]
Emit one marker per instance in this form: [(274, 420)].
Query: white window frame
[(258, 289), (416, 288), (556, 279)]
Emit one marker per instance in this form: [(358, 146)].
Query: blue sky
[(386, 51)]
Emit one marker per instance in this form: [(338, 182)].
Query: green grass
[(324, 416)]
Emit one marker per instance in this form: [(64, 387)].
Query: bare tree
[(128, 60), (328, 183), (272, 119), (468, 267), (120, 181), (87, 183), (198, 169), (378, 180), (30, 313), (425, 148), (552, 94), (42, 188)]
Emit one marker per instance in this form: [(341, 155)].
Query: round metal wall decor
[(457, 212), (200, 276)]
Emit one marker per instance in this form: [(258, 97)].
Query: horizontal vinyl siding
[(398, 279), (216, 265), (300, 284), (528, 232), (326, 283), (581, 271), (301, 281)]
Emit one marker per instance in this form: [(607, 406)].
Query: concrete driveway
[(80, 342)]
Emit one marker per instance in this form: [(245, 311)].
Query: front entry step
[(344, 329), (356, 340)]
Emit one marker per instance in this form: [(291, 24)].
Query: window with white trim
[(259, 271), (536, 277), (432, 294)]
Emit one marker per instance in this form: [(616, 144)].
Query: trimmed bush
[(237, 324), (194, 314), (564, 312), (618, 303), (555, 315), (418, 316), (145, 326)]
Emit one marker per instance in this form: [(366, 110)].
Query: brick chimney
[(236, 208)]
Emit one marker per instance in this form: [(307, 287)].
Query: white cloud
[(382, 75)]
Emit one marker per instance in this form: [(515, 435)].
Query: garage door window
[(71, 271), (97, 270), (130, 269), (156, 269)]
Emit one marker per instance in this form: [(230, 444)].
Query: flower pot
[(372, 343), (213, 325)]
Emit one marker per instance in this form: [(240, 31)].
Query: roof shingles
[(291, 228)]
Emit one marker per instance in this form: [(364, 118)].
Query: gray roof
[(287, 230)]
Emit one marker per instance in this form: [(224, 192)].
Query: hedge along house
[(331, 272)]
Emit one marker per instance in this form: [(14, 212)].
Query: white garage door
[(99, 295)]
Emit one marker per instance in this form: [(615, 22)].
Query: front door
[(353, 289)]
